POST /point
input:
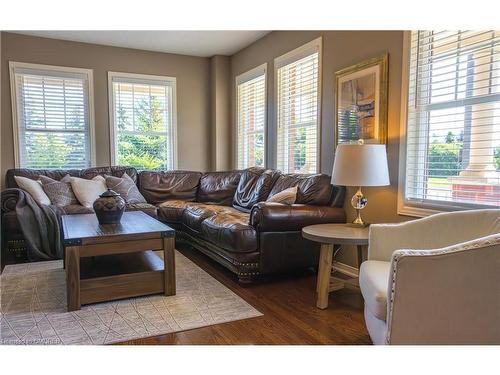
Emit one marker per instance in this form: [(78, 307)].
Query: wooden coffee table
[(115, 261)]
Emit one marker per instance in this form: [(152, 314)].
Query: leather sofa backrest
[(218, 187), (56, 174), (116, 171), (254, 186), (312, 188), (159, 187)]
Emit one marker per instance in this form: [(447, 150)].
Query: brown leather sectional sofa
[(222, 214)]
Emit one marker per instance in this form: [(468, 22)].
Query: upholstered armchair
[(434, 280)]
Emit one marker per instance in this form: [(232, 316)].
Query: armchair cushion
[(277, 217), (374, 281)]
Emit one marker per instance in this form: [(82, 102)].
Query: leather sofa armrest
[(9, 199), (277, 217)]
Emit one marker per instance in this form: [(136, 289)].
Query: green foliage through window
[(147, 146)]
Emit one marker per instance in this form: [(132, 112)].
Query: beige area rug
[(33, 308)]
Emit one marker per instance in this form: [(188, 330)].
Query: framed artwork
[(362, 102)]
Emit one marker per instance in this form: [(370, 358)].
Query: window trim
[(290, 57), (403, 206), (141, 78), (242, 78), (89, 73)]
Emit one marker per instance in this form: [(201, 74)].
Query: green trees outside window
[(146, 147)]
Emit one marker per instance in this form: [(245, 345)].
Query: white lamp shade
[(360, 165)]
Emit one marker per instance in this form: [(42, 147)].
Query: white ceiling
[(195, 43)]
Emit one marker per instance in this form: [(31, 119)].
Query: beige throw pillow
[(87, 191), (34, 188), (126, 187), (60, 192), (287, 196)]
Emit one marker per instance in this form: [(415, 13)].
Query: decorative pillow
[(126, 187), (87, 191), (287, 196), (60, 192), (34, 188)]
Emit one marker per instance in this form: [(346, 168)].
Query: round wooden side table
[(329, 235)]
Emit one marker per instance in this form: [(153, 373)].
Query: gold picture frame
[(361, 102)]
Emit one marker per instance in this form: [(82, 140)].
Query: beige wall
[(340, 49), (206, 96), (193, 90), (221, 113)]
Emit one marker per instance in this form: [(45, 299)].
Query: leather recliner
[(222, 214)]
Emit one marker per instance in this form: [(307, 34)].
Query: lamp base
[(359, 201)]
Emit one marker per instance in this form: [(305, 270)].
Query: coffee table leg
[(324, 271), (72, 263), (169, 265)]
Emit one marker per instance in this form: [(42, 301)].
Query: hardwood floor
[(290, 316)]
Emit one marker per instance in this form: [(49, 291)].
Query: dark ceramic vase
[(109, 207)]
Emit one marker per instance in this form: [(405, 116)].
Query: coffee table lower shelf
[(112, 277)]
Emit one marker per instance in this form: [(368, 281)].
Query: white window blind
[(143, 118), (453, 119), (251, 118), (298, 110), (52, 122)]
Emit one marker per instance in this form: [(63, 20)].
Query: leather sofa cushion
[(218, 187), (75, 209), (254, 186), (312, 188), (374, 284), (277, 217), (158, 187), (230, 230), (171, 211), (195, 213), (147, 208)]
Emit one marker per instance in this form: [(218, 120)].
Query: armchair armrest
[(455, 288), (277, 217)]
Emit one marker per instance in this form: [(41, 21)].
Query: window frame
[(404, 207), (315, 45), (89, 73), (240, 79), (144, 79)]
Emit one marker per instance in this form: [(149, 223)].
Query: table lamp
[(360, 165)]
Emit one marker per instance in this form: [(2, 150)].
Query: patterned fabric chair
[(434, 280)]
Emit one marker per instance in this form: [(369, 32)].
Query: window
[(143, 121), (298, 109), (452, 145), (251, 118), (52, 110)]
